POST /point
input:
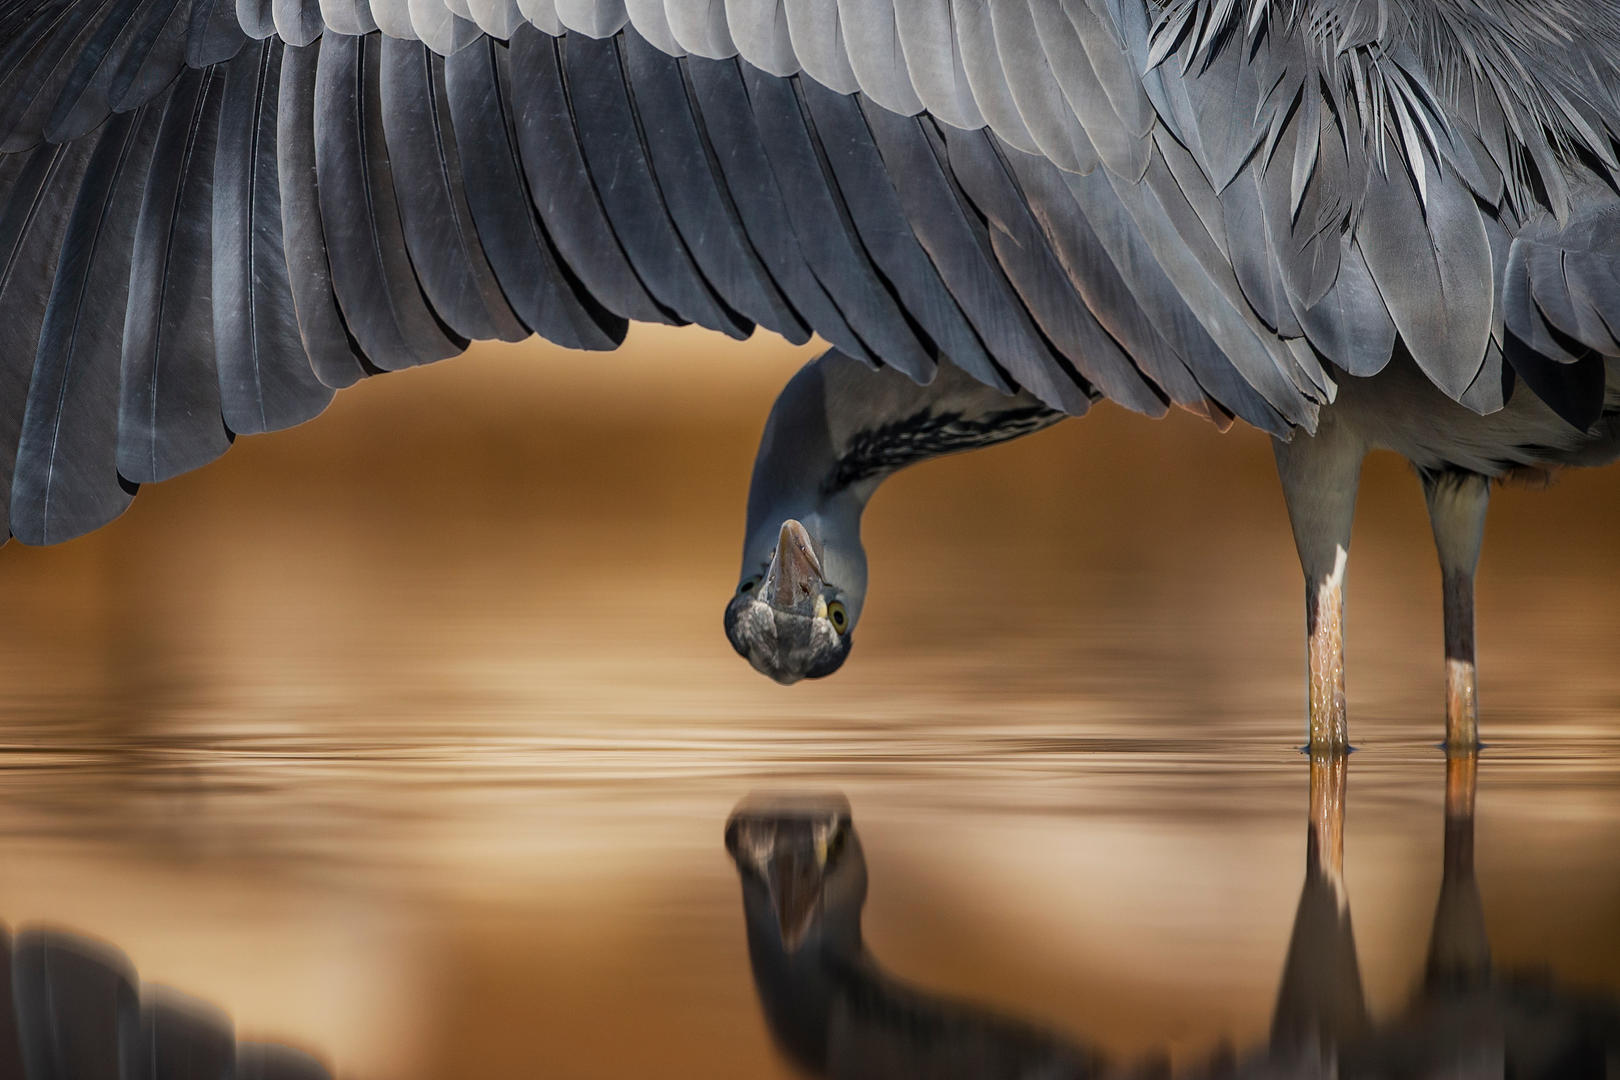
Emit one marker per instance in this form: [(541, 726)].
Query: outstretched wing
[(217, 214)]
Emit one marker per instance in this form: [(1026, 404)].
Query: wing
[(215, 215)]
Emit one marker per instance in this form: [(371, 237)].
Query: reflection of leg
[(1320, 1003), (1319, 477), (1459, 951), (1457, 504)]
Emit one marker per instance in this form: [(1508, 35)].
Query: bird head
[(799, 596), (803, 873)]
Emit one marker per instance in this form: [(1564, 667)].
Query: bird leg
[(1457, 504), (1320, 475)]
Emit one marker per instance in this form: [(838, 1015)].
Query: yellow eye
[(839, 617)]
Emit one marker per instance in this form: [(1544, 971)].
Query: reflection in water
[(70, 1010), (831, 1008), (836, 1013)]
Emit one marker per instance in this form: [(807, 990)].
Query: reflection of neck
[(1459, 951), (798, 991), (1320, 1003)]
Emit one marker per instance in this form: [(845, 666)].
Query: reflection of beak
[(794, 878), (795, 574)]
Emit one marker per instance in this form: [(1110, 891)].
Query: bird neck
[(840, 428)]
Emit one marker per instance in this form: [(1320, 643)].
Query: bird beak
[(794, 878), (795, 576)]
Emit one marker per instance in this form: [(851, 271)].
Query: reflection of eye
[(748, 586), (839, 617)]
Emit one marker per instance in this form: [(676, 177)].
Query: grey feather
[(440, 28), (700, 29), (880, 220), (334, 355), (818, 42), (594, 18), (651, 22), (298, 22), (169, 418), (1034, 88), (616, 157), (427, 170), (1099, 282), (739, 154), (32, 226), (348, 16), (876, 55), (955, 238), (1432, 266), (497, 18), (826, 234), (759, 29), (702, 210), (544, 295), (559, 183), (376, 287), (981, 63), (213, 35), (1120, 143), (83, 101), (256, 18), (1044, 287), (47, 61), (265, 379), (934, 61), (1351, 324)]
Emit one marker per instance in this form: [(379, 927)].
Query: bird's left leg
[(1320, 474), (1457, 504)]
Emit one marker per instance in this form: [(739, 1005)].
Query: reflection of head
[(803, 873)]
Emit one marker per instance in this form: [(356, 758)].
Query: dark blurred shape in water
[(73, 1011), (835, 1012)]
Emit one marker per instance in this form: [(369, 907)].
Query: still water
[(409, 738)]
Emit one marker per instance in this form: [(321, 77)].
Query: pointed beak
[(795, 576), (794, 878)]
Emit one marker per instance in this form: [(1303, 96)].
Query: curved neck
[(840, 428)]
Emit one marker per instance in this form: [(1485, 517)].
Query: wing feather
[(533, 277), (334, 354), (426, 164), (376, 287), (32, 227), (265, 379), (169, 419), (559, 182)]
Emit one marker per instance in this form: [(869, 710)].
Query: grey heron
[(1353, 224)]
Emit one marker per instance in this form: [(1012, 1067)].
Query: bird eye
[(839, 617), (748, 586)]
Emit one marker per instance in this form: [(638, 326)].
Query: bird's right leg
[(1319, 476)]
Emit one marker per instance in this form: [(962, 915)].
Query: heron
[(1351, 224)]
